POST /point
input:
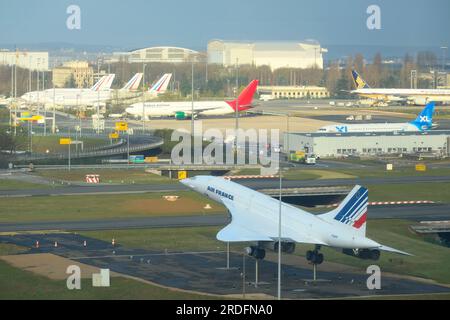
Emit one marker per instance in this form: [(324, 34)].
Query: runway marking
[(147, 255)]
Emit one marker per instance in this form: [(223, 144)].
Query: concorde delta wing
[(248, 227)]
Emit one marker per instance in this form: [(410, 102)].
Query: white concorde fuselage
[(255, 217)]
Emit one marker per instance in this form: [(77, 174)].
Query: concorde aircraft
[(255, 219)]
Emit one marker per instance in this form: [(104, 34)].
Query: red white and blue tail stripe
[(353, 210), (161, 85), (133, 84), (104, 83)]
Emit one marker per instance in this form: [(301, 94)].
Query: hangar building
[(338, 145), (157, 54), (275, 54)]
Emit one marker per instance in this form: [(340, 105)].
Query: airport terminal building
[(369, 144)]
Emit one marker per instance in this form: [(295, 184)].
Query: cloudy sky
[(138, 23)]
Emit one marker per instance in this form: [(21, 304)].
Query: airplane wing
[(389, 249), (243, 228)]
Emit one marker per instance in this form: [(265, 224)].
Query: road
[(251, 183), (408, 212)]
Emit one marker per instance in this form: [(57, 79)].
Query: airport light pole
[(98, 100), (143, 97), (279, 234), (45, 110), (54, 105), (287, 135), (444, 56), (243, 275), (237, 105), (192, 97)]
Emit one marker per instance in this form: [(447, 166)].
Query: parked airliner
[(183, 109), (423, 122)]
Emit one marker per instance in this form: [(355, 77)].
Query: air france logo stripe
[(355, 210)]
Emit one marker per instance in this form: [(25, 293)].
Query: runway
[(255, 184), (408, 212)]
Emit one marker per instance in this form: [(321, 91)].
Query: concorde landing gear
[(315, 258)]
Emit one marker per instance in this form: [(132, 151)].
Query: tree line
[(219, 81)]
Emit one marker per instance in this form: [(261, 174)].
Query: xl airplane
[(423, 122), (255, 219), (412, 96), (183, 109)]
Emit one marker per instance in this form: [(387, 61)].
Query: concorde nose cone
[(187, 182)]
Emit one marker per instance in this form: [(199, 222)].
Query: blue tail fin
[(424, 120), (358, 81)]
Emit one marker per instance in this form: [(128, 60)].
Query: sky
[(140, 23)]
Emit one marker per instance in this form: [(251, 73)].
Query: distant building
[(78, 71), (276, 55), (295, 92), (369, 144), (25, 59), (156, 54)]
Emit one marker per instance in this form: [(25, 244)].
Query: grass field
[(19, 284), (429, 260), (91, 207), (172, 239), (43, 143), (8, 249), (433, 191), (131, 176), (313, 174), (9, 184), (397, 172)]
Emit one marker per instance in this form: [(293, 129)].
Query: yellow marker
[(65, 141), (151, 159), (121, 126), (421, 167), (36, 118), (114, 135), (182, 175)]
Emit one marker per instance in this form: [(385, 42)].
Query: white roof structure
[(276, 54), (158, 54)]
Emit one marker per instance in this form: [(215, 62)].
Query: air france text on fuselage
[(220, 193)]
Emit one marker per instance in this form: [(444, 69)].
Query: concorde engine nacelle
[(286, 247), (365, 254)]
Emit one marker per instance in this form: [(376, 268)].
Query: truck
[(137, 159), (302, 157)]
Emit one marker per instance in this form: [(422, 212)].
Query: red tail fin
[(244, 101)]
